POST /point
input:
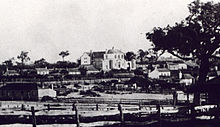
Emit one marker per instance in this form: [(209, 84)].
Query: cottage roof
[(91, 68), (19, 86), (187, 76), (163, 70), (191, 64)]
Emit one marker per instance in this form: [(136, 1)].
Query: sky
[(46, 27)]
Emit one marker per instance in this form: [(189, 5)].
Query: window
[(115, 56), (119, 56)]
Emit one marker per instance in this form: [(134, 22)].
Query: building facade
[(114, 59), (85, 59), (159, 72)]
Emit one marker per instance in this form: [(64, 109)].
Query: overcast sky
[(46, 27)]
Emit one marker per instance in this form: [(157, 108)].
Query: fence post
[(121, 114), (193, 112), (158, 115), (97, 107), (139, 105), (22, 107), (33, 116), (48, 107), (73, 106), (77, 116), (174, 98)]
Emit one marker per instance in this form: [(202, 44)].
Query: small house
[(74, 71), (186, 79), (11, 73), (159, 72), (24, 91), (42, 71)]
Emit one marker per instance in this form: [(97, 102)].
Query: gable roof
[(111, 51), (99, 54), (187, 76)]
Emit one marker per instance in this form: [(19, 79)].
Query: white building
[(74, 71), (85, 59), (159, 72), (42, 71), (114, 59), (186, 79)]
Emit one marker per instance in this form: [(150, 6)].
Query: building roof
[(187, 76), (91, 68), (163, 70), (19, 86), (111, 51), (191, 63), (73, 69), (99, 54)]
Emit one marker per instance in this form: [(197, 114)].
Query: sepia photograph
[(109, 63)]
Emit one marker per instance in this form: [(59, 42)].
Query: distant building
[(85, 59), (97, 58), (24, 91), (159, 72), (107, 60), (176, 65), (114, 59), (186, 79), (131, 65), (42, 71), (11, 73), (74, 71)]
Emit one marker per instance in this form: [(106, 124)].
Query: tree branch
[(183, 58)]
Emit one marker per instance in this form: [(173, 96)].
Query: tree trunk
[(203, 71)]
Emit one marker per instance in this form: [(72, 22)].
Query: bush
[(89, 93), (47, 98)]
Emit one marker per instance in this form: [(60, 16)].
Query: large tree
[(41, 63), (129, 56), (23, 57), (8, 62), (63, 54), (141, 55), (196, 37)]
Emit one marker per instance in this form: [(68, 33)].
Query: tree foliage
[(63, 54), (41, 63), (23, 57), (129, 56), (196, 37)]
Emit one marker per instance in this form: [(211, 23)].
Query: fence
[(122, 112)]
